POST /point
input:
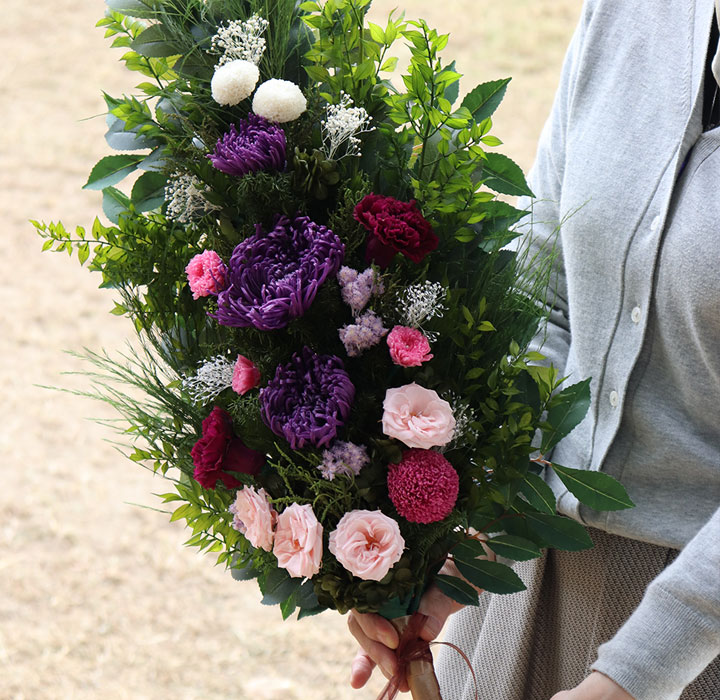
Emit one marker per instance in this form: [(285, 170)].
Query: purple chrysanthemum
[(255, 144), (274, 277), (308, 399)]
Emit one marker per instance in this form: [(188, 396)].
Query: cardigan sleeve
[(675, 631)]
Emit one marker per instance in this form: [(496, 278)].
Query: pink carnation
[(408, 347), (417, 417), (206, 274), (298, 541), (367, 543), (423, 486), (254, 517), (246, 375)]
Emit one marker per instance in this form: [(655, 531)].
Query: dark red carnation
[(218, 452), (395, 227)]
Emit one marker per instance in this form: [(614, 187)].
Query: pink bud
[(246, 375)]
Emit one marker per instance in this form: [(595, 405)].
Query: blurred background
[(98, 598)]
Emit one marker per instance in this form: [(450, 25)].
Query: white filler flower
[(241, 40), (279, 101), (234, 81)]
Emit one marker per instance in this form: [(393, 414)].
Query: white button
[(636, 314), (614, 398), (655, 223)]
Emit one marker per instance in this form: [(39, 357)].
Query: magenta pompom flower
[(408, 346), (308, 399), (274, 277), (206, 274), (255, 144), (423, 486)]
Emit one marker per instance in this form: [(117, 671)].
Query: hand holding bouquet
[(333, 329)]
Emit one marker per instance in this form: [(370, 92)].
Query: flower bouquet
[(333, 364)]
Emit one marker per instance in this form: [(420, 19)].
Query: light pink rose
[(367, 543), (246, 375), (206, 274), (298, 541), (408, 347), (254, 517), (417, 417)]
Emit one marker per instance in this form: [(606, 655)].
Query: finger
[(437, 607), (376, 628), (361, 670), (377, 652)]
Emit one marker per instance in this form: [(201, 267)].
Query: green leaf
[(568, 408), (504, 175), (491, 576), (245, 572), (455, 588), (538, 494), (83, 252), (155, 42), (468, 550), (287, 607), (513, 547), (114, 203), (559, 532), (485, 98), (121, 139), (452, 90), (110, 170), (148, 192), (595, 489), (278, 586)]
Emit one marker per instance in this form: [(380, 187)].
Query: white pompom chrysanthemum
[(234, 81), (279, 101)]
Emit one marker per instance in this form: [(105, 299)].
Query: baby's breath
[(342, 126), (419, 303), (240, 40), (185, 199)]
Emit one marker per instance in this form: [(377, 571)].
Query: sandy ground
[(98, 598)]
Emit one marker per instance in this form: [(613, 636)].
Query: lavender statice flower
[(240, 40), (274, 277), (357, 287), (255, 144), (343, 458), (366, 332), (308, 399)]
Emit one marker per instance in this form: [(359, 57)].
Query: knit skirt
[(531, 645)]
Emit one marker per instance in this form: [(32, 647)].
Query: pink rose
[(298, 541), (417, 417), (367, 543), (246, 375), (206, 274), (408, 347), (254, 517)]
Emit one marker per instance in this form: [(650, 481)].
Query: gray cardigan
[(637, 308)]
